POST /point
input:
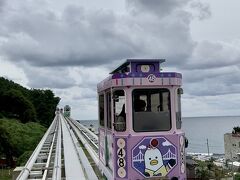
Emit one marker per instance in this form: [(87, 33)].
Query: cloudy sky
[(71, 45)]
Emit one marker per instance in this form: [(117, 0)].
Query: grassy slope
[(22, 138), (6, 174)]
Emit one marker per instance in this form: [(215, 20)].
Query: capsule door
[(108, 132), (105, 130), (102, 135)]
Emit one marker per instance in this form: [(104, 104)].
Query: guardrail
[(87, 144), (58, 155)]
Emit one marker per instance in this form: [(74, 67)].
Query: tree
[(45, 103), (27, 105), (202, 171), (17, 105), (16, 138), (236, 130), (237, 176)]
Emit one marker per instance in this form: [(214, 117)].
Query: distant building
[(232, 146)]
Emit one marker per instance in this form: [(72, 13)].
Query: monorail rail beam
[(82, 126), (84, 130), (88, 170), (90, 150), (73, 168)]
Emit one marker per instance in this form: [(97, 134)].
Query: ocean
[(198, 130)]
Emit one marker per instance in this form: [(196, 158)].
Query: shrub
[(236, 130)]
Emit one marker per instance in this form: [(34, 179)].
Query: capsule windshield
[(151, 110)]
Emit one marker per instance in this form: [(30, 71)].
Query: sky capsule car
[(140, 135), (67, 111)]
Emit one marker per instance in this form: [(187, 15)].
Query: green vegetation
[(236, 130), (26, 105), (45, 104), (17, 139), (15, 104), (202, 171), (208, 170), (22, 160), (24, 117), (237, 176), (6, 174)]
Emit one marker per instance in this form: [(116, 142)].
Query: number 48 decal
[(121, 153)]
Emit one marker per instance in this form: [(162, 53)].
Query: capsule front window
[(156, 115)]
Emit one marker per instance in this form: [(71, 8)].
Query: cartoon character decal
[(154, 157), (153, 160)]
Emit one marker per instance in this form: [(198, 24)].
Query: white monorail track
[(59, 154)]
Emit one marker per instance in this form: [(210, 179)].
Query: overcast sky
[(71, 45)]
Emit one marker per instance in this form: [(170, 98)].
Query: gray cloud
[(203, 9), (2, 3), (219, 81), (196, 75), (57, 78), (160, 8), (209, 55), (211, 105), (96, 37), (49, 44), (42, 39), (85, 93)]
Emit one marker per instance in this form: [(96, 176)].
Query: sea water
[(200, 129)]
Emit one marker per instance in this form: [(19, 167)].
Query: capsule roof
[(140, 72), (139, 65)]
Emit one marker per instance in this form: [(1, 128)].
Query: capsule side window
[(119, 110), (101, 109), (109, 117)]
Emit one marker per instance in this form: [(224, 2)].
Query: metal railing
[(58, 155)]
